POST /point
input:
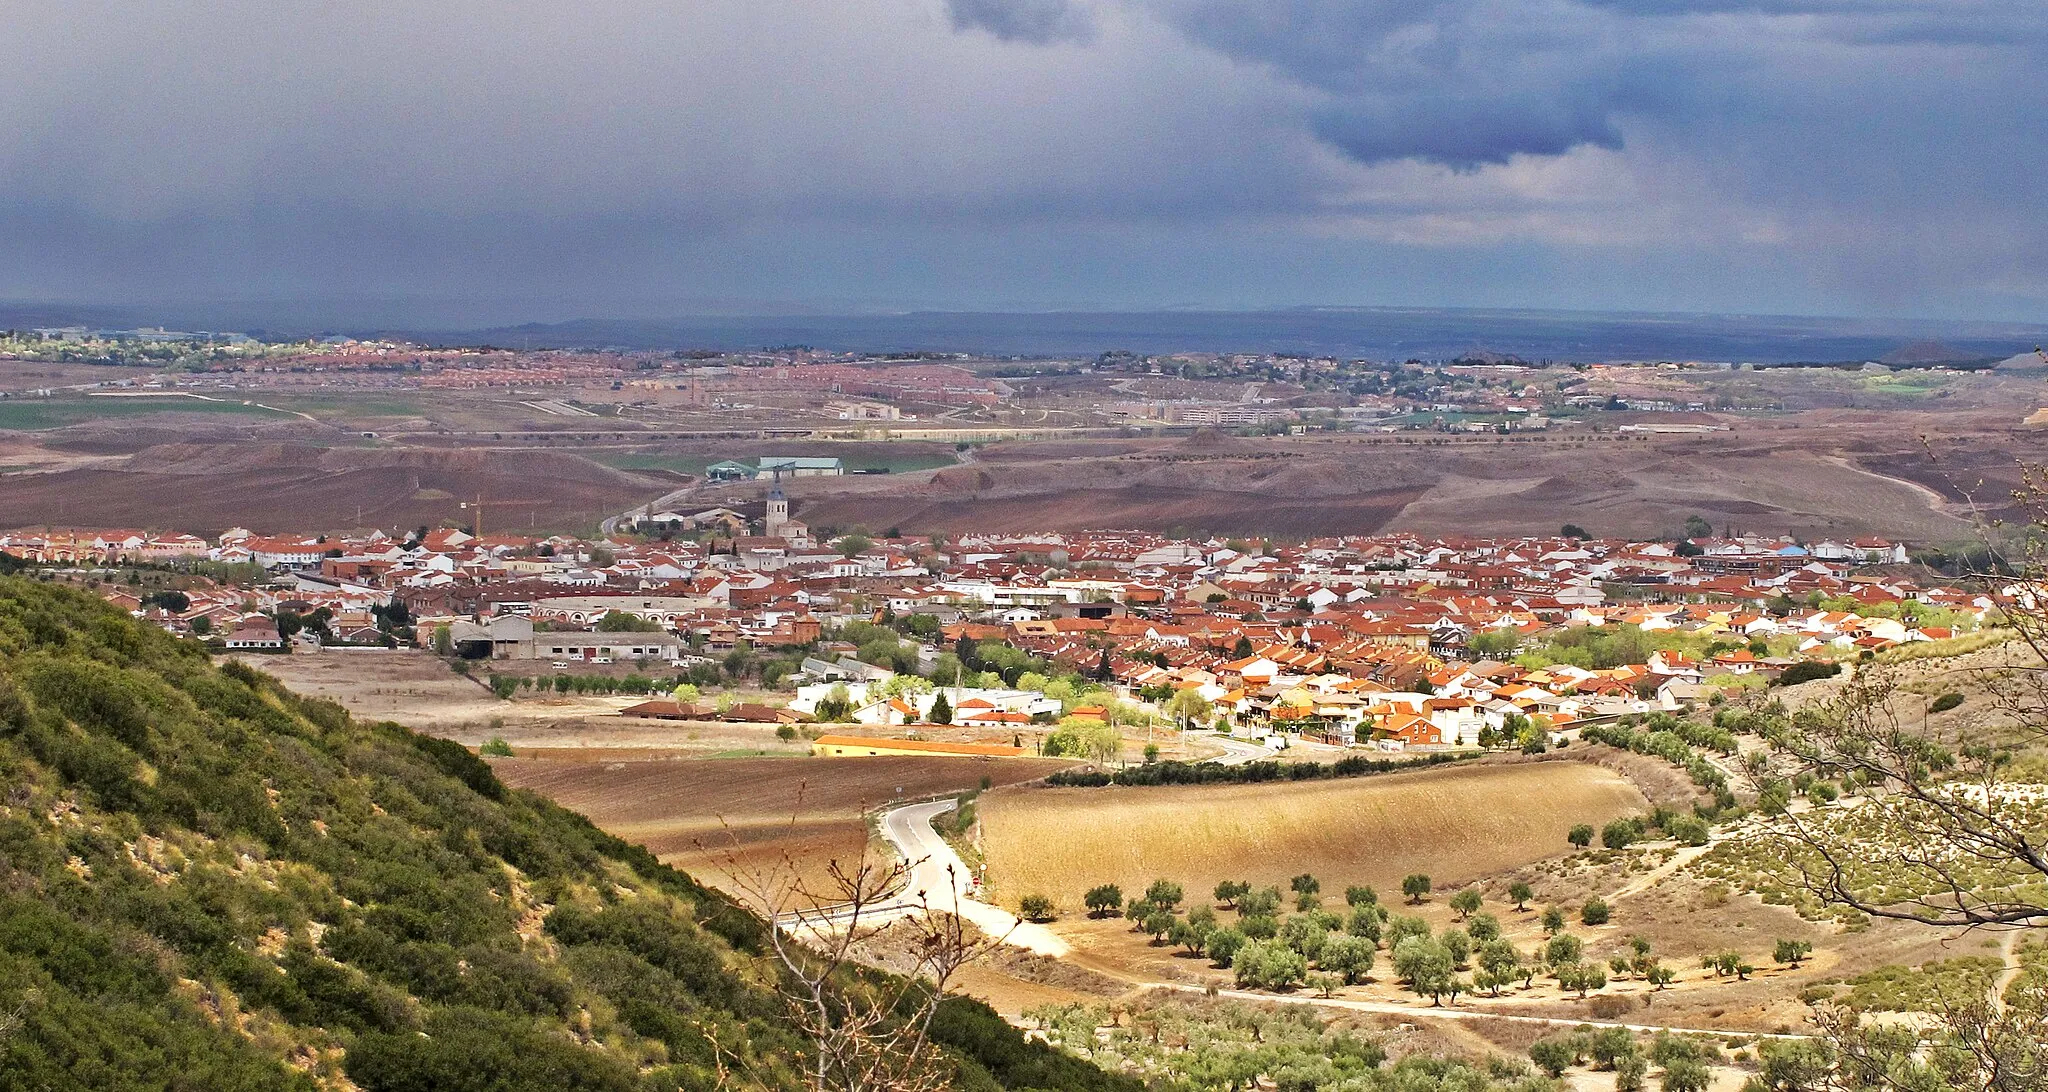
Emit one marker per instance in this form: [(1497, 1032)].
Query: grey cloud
[(1460, 83), (1844, 154), (1039, 22), (1466, 133)]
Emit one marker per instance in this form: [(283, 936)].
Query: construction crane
[(480, 504)]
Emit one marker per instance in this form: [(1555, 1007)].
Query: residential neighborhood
[(1389, 642)]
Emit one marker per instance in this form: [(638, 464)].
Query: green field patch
[(36, 414), (1905, 989), (892, 462)]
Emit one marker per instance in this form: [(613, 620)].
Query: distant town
[(1390, 641)]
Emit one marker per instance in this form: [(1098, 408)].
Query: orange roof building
[(876, 747)]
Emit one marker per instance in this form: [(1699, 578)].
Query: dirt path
[(2008, 950), (1444, 1012)]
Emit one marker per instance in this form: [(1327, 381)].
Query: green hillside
[(207, 882)]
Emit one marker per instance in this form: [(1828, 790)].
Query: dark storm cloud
[(1466, 133), (1462, 83), (1858, 155), (1039, 22)]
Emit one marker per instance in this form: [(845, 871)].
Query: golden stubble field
[(1455, 824)]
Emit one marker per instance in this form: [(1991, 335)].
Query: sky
[(508, 160)]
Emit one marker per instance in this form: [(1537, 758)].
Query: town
[(1391, 642)]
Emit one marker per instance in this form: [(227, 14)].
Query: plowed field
[(708, 816)]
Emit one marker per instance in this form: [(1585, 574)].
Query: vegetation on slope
[(209, 882)]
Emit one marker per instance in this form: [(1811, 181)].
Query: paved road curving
[(940, 880)]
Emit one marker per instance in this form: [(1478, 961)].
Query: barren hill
[(1846, 478)]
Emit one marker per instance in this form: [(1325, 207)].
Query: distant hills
[(1929, 353), (1373, 333), (1379, 333)]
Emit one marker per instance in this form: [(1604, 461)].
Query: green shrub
[(1808, 671)]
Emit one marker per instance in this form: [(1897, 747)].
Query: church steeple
[(778, 507)]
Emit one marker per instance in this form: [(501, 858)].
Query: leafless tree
[(1944, 811), (868, 1030), (1976, 1044)]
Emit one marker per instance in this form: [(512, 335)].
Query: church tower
[(778, 508)]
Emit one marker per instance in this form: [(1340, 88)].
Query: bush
[(1563, 949), (1687, 830), (1262, 902), (1945, 703), (1620, 833), (1808, 671), (1210, 773), (1348, 956), (1554, 1055), (1595, 912), (496, 747), (1259, 926), (1483, 927), (1268, 965), (1035, 907), (1222, 945)]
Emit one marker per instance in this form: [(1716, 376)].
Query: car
[(560, 665), (600, 659)]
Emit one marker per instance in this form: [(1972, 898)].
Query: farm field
[(708, 816), (1822, 473), (894, 458), (419, 691), (1456, 824), (38, 414), (311, 481)]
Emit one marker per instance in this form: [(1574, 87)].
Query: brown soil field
[(206, 488), (714, 818), (1455, 824), (419, 691), (1824, 473)]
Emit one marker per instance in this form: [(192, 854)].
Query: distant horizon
[(1368, 330)]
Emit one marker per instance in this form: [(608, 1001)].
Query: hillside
[(207, 882)]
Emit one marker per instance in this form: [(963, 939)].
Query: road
[(939, 880), (939, 877), (946, 884), (666, 500), (1237, 752)]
